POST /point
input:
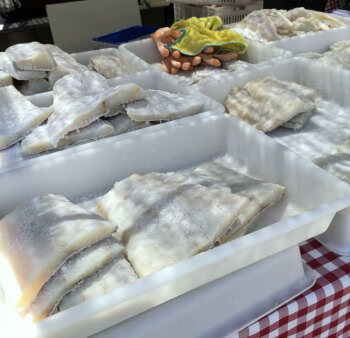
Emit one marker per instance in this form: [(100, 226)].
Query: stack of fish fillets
[(302, 104), (34, 68), (56, 254), (86, 106), (269, 25), (47, 246), (338, 55)]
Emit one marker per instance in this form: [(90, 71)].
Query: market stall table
[(322, 311)]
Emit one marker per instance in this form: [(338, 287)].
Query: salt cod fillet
[(326, 19), (39, 140), (336, 164), (72, 111), (338, 56), (73, 271), (123, 124), (109, 66), (261, 195), (7, 66), (77, 85), (37, 238), (31, 56), (116, 111), (298, 12), (261, 21), (308, 95), (282, 24), (65, 64), (311, 24), (272, 24), (18, 116), (163, 106), (113, 275), (163, 223), (268, 103)]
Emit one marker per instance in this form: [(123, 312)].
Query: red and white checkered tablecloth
[(332, 5), (322, 311)]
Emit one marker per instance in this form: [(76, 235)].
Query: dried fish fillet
[(65, 64), (282, 24), (261, 195), (271, 24), (307, 95), (338, 56), (77, 85), (109, 66), (30, 56), (18, 116), (5, 79), (336, 164), (330, 21), (7, 66), (163, 106), (163, 223), (240, 103), (263, 23), (39, 140), (123, 124), (311, 24), (73, 271), (80, 113), (93, 131), (116, 111), (298, 12), (268, 103), (37, 238), (73, 111), (113, 275), (204, 177)]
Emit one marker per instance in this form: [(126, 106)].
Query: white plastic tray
[(147, 80), (328, 127), (318, 42), (146, 53), (228, 304), (312, 199), (312, 41)]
